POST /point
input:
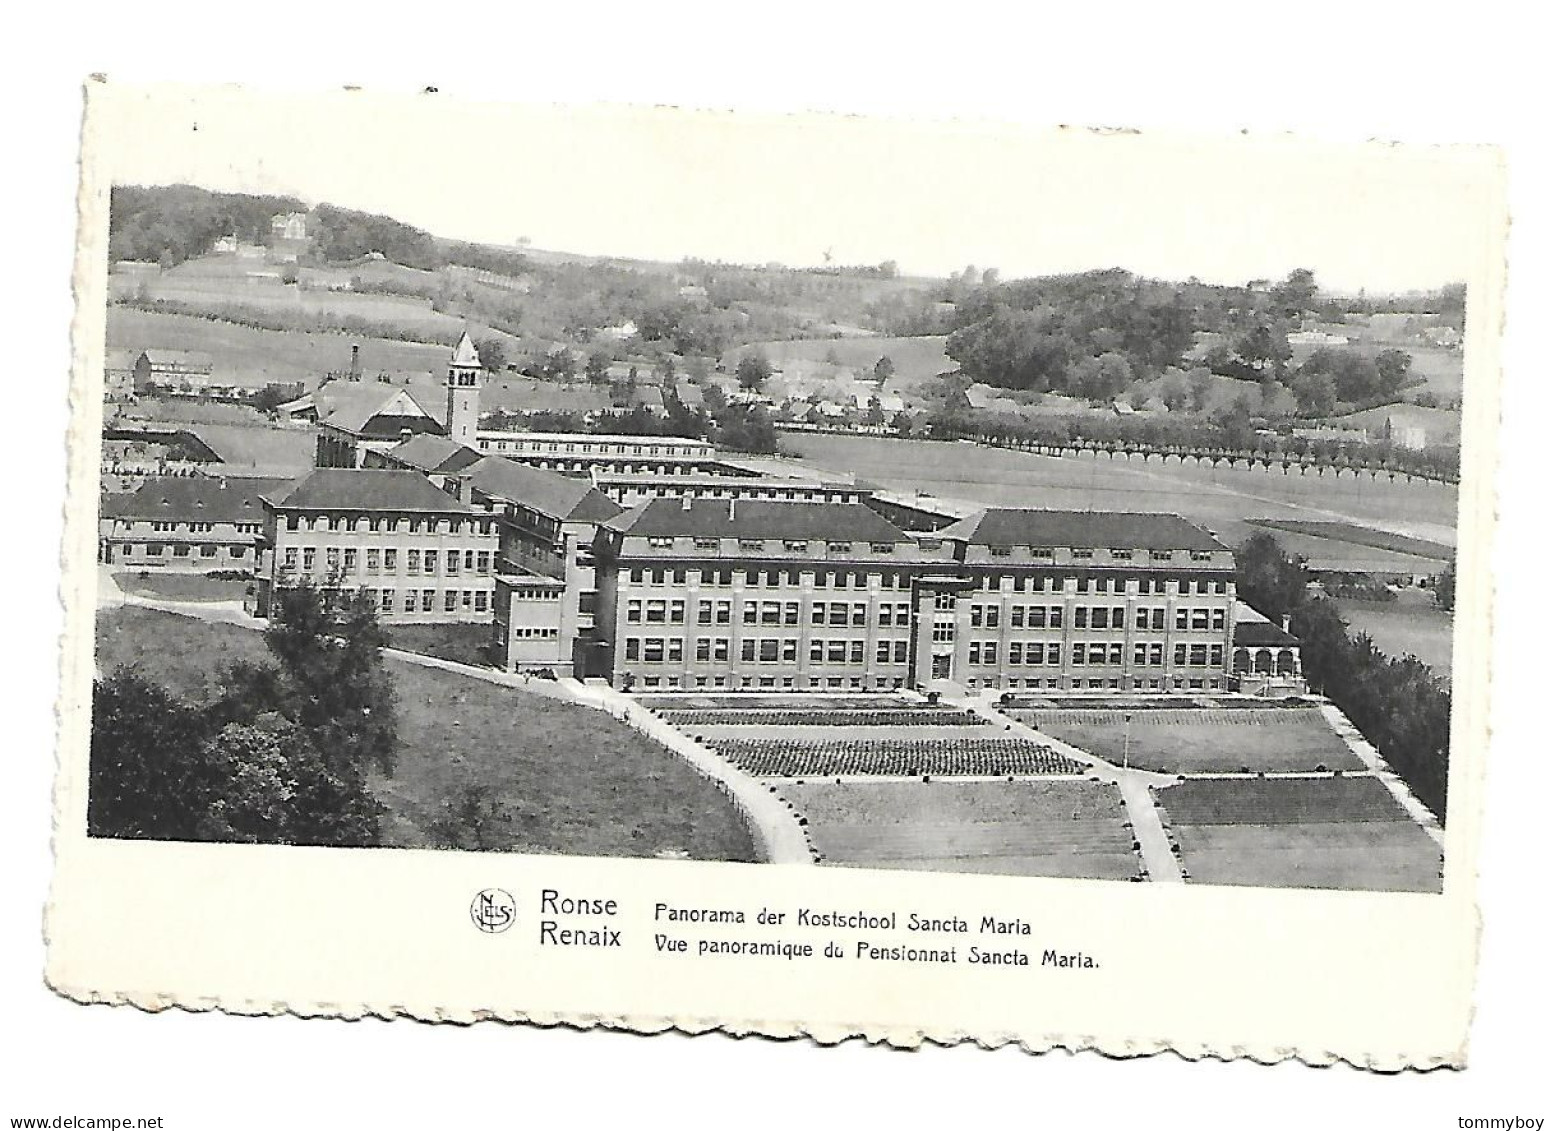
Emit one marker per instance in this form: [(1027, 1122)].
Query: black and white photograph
[(806, 575), (764, 522)]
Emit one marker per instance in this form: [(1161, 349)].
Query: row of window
[(195, 527), (531, 632), (426, 600), (855, 683), (387, 561), (1113, 583), (184, 550), (1087, 553), (381, 525), (901, 579), (759, 545), (587, 447), (771, 650), (986, 653)]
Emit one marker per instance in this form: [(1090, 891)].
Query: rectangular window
[(748, 650), (634, 612), (720, 649), (993, 616), (771, 612), (1182, 617), (1096, 654), (1080, 555), (724, 609), (307, 559), (410, 600), (1077, 656), (677, 612), (1016, 652), (769, 651), (1117, 617), (480, 600), (653, 649), (795, 545), (332, 559), (391, 561), (1198, 654), (899, 651), (1180, 655), (450, 600), (291, 555), (677, 650), (990, 653), (1017, 616), (883, 652), (1218, 619), (413, 561), (974, 654), (791, 612), (1034, 653), (704, 650), (372, 561), (860, 615), (855, 651), (704, 612), (836, 651), (1082, 616), (656, 611), (1115, 654), (944, 602), (707, 543), (1217, 656), (790, 650), (977, 616), (817, 651), (748, 612), (1200, 618), (837, 614)]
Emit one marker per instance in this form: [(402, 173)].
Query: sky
[(934, 197)]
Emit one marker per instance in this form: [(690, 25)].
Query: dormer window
[(1080, 555)]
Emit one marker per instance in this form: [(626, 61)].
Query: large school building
[(750, 594)]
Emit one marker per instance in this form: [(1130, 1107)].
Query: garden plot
[(1071, 829), (1220, 740)]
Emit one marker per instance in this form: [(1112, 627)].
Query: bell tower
[(463, 389)]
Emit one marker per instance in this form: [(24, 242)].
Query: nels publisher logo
[(493, 911)]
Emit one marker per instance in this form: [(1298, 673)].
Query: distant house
[(172, 369), (289, 226), (1407, 426), (225, 245), (323, 279), (1316, 338), (689, 395), (619, 333), (119, 375)]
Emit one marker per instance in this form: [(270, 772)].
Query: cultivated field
[(1223, 740), (915, 359), (1221, 498), (1346, 833), (1073, 829), (565, 779), (244, 355), (1404, 629)]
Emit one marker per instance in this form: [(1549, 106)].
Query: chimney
[(685, 503), (356, 362), (1285, 622), (731, 508), (404, 435)]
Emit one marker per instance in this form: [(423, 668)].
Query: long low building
[(185, 524)]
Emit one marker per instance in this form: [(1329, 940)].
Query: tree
[(598, 368), (146, 776), (1267, 578), (1445, 587), (493, 354), (1315, 393), (1174, 392), (1297, 293), (887, 269), (753, 371), (746, 428), (990, 276), (885, 369), (875, 415)]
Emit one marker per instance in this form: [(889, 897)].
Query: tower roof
[(465, 353)]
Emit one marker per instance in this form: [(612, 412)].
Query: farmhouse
[(159, 368)]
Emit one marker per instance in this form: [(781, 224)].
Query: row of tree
[(1401, 707), (280, 756)]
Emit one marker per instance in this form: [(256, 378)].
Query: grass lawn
[(1181, 742), (1360, 536), (1346, 855), (181, 586), (1073, 829), (462, 643), (563, 778)]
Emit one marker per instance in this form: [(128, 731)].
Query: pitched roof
[(187, 359), (465, 352), (256, 445), (350, 405), (1261, 634), (1084, 529), (559, 496), (181, 498), (431, 453), (357, 489), (758, 518)]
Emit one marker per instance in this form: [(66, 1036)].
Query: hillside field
[(916, 359), (1221, 498)]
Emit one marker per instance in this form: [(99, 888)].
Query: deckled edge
[(78, 600)]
